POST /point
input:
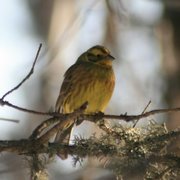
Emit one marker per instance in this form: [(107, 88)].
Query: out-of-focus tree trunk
[(171, 30), (41, 12)]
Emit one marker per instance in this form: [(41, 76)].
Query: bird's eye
[(98, 55)]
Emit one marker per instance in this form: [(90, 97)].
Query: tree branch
[(93, 117), (27, 76)]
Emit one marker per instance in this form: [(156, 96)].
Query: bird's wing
[(65, 88), (63, 135)]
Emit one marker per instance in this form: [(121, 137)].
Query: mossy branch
[(126, 149)]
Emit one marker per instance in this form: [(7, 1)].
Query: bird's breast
[(94, 86)]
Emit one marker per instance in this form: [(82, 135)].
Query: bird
[(90, 79)]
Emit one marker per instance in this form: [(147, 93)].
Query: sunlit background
[(141, 34)]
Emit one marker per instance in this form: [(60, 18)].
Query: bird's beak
[(109, 56)]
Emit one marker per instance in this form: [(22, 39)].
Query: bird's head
[(98, 55)]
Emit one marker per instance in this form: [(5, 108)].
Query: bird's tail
[(63, 136)]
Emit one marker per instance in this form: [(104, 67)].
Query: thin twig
[(27, 76), (9, 120), (3, 103), (129, 118), (142, 113), (146, 107)]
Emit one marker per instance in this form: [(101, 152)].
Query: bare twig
[(146, 107), (129, 118), (27, 76), (142, 113), (9, 120), (3, 103)]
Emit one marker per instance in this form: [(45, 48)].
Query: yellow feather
[(90, 79)]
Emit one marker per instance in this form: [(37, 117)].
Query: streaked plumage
[(90, 79)]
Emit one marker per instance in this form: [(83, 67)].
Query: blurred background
[(143, 35)]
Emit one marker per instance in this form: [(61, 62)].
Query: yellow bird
[(91, 79)]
